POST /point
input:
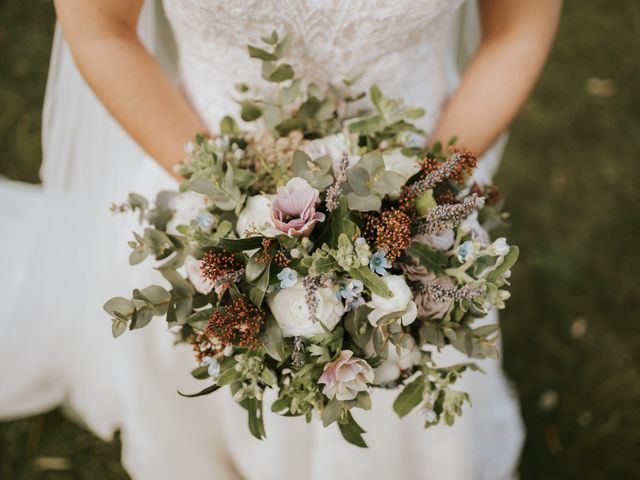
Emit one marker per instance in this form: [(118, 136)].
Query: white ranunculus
[(289, 307), (395, 161), (185, 206), (401, 302), (333, 146), (256, 216)]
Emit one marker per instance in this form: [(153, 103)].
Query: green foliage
[(410, 397), (370, 182), (317, 172)]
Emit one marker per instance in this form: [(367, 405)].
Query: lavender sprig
[(445, 217)]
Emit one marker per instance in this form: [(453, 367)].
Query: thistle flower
[(445, 217), (237, 323)]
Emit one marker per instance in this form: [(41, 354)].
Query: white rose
[(390, 369), (401, 302), (256, 216), (395, 161), (186, 207), (443, 240), (194, 275), (333, 146), (289, 307)]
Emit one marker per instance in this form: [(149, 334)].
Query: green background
[(571, 175)]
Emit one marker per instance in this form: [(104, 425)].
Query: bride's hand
[(126, 78), (516, 39)]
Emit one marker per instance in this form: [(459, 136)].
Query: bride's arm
[(103, 39), (516, 38)]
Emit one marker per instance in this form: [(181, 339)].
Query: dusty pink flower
[(346, 376), (427, 306), (200, 283), (293, 209)]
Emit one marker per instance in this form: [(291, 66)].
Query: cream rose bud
[(499, 248), (389, 370), (395, 161), (256, 216), (401, 302), (289, 307)]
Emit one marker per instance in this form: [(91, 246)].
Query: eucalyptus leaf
[(255, 52), (119, 306), (271, 339), (228, 126), (359, 180), (283, 46), (118, 327), (363, 204), (249, 111), (281, 73), (180, 285), (141, 317), (410, 397)]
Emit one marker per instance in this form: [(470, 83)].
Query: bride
[(161, 82)]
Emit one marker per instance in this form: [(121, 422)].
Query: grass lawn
[(571, 175)]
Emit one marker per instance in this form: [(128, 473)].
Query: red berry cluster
[(236, 324), (389, 231), (216, 265)]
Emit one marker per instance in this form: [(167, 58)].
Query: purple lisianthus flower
[(293, 209), (379, 263)]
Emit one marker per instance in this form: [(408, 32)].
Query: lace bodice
[(399, 44)]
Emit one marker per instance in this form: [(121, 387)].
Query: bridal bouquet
[(324, 253)]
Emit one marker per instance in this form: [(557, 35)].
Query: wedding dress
[(64, 253)]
